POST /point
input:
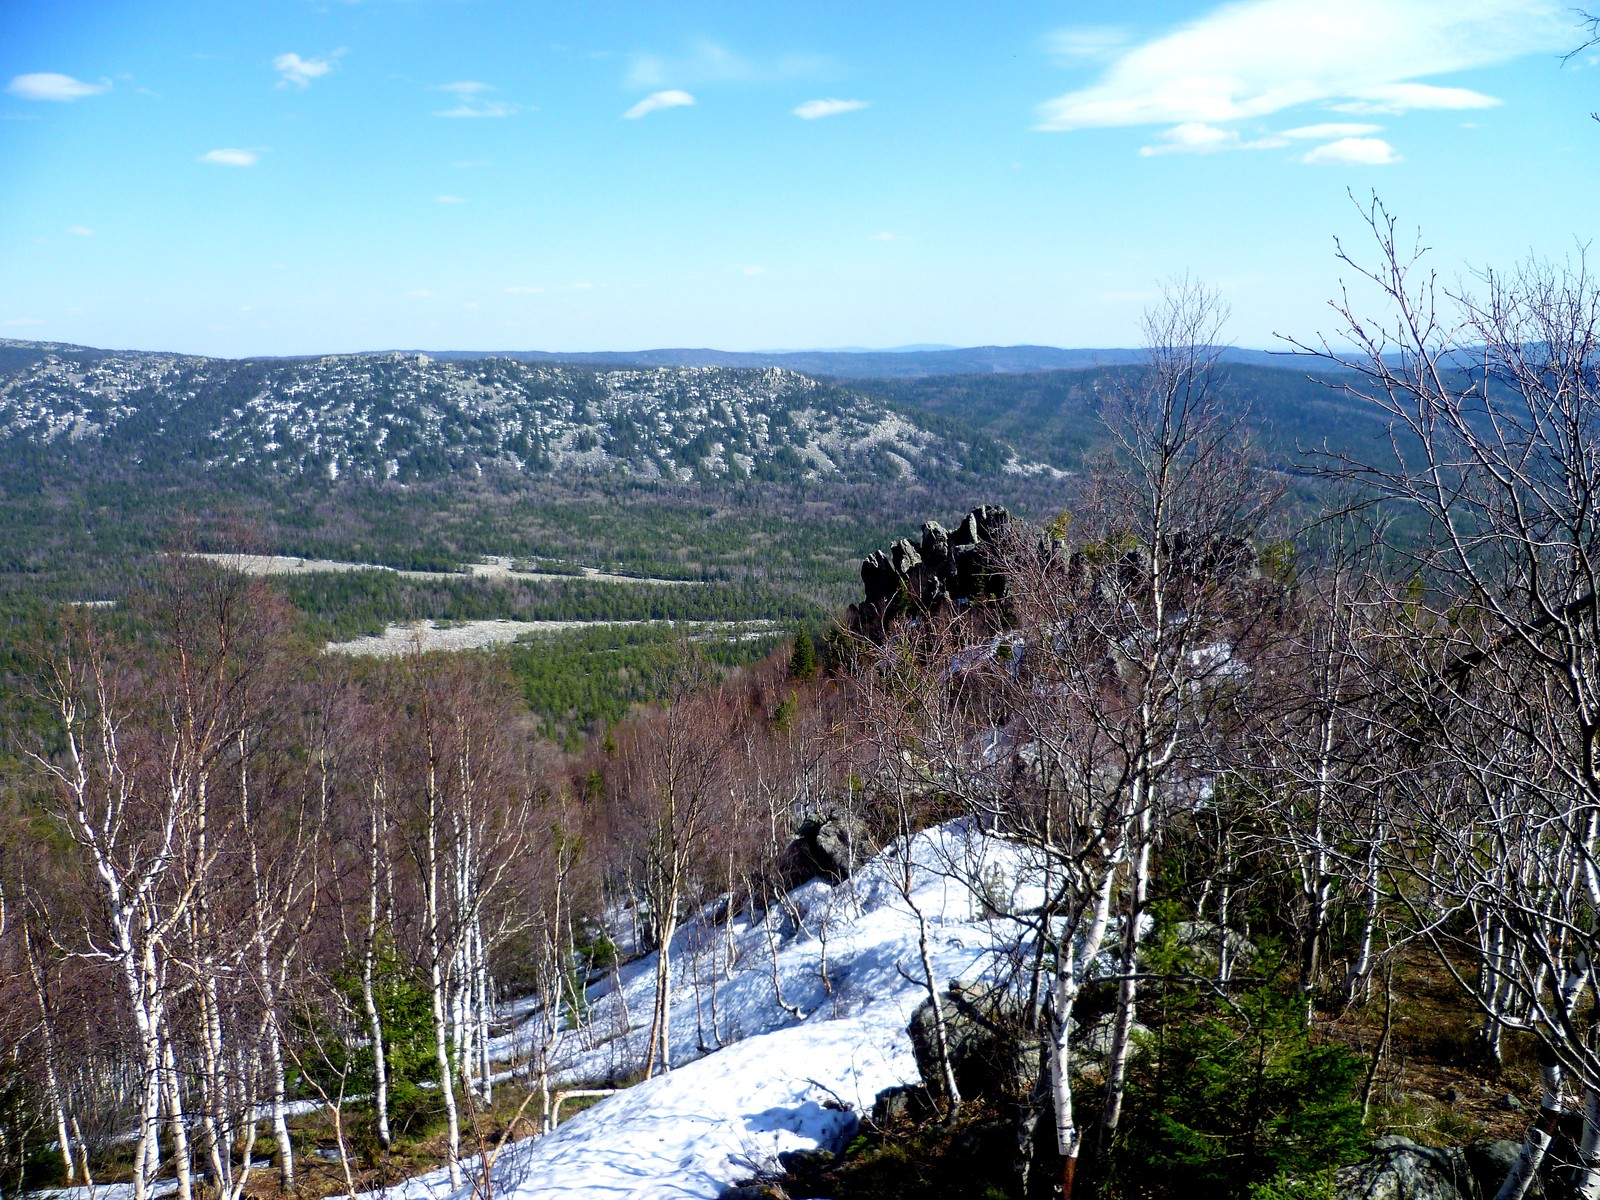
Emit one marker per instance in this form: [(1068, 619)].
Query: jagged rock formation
[(945, 566)]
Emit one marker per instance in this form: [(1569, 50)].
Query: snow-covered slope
[(797, 1072)]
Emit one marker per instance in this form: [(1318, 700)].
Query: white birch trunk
[(1070, 969)]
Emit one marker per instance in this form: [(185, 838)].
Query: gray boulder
[(1490, 1163), (1400, 1169), (903, 556), (901, 1103), (830, 845), (991, 1054), (1205, 939), (1094, 1039), (935, 546)]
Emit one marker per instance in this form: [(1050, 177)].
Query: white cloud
[(1400, 97), (1085, 42), (657, 101), (1322, 133), (472, 100), (47, 85), (23, 321), (294, 71), (231, 157), (523, 291), (1252, 58), (448, 200), (752, 272), (812, 109), (1197, 137), (1357, 151), (419, 293), (483, 108), (707, 62), (80, 230)]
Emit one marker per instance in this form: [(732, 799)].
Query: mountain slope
[(1057, 415), (409, 417)]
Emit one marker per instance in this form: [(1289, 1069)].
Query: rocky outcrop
[(991, 1053), (1401, 1169), (830, 845), (959, 564)]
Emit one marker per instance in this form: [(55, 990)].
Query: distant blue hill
[(899, 363)]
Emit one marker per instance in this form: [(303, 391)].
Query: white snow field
[(792, 1077)]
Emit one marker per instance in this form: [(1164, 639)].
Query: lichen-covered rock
[(1401, 1169)]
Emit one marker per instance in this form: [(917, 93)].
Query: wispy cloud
[(48, 85), (812, 109), (1198, 137), (419, 293), (1085, 43), (472, 100), (231, 157), (1353, 151), (752, 272), (708, 62), (1330, 130), (523, 291), (1253, 58), (19, 321), (294, 71), (1399, 97), (656, 101), (448, 200), (80, 231), (886, 236)]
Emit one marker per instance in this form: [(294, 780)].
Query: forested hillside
[(1139, 852)]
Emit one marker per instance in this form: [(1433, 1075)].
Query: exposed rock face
[(1206, 940), (945, 565), (901, 1102), (991, 1054), (831, 846), (1400, 1169)]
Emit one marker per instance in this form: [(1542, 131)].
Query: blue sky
[(293, 177)]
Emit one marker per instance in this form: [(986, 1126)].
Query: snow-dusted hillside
[(407, 416), (795, 1073)]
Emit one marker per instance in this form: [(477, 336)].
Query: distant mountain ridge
[(905, 362), (411, 416), (878, 364)]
